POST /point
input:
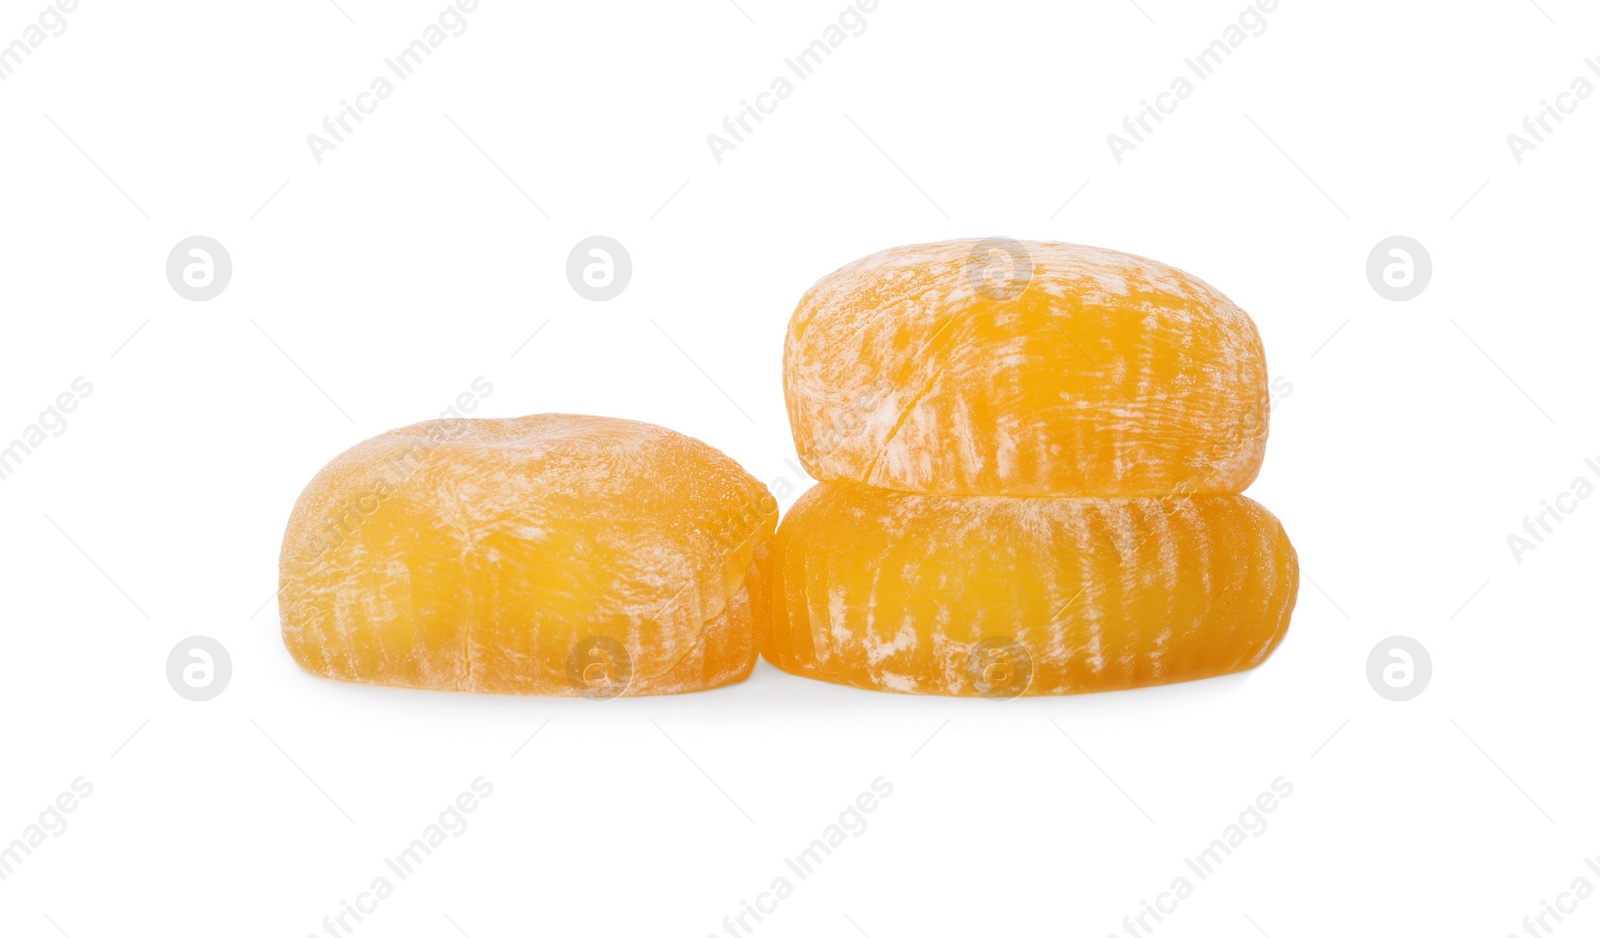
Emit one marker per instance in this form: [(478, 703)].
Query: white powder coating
[(473, 554), (891, 590), (1109, 375)]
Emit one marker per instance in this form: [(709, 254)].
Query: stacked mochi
[(1030, 456)]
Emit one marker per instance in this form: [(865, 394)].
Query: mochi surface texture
[(1001, 596), (997, 367), (1031, 457), (553, 554)]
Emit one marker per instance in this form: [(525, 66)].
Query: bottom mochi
[(1006, 596)]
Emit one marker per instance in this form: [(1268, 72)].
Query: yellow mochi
[(552, 554), (1024, 368), (1003, 596)]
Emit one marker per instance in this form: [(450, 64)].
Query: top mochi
[(999, 367)]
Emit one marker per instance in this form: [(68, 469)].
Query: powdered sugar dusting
[(473, 554), (1106, 376), (1101, 593)]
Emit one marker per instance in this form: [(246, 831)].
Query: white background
[(371, 289)]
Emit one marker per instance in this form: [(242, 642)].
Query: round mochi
[(998, 596), (553, 554), (998, 367)]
